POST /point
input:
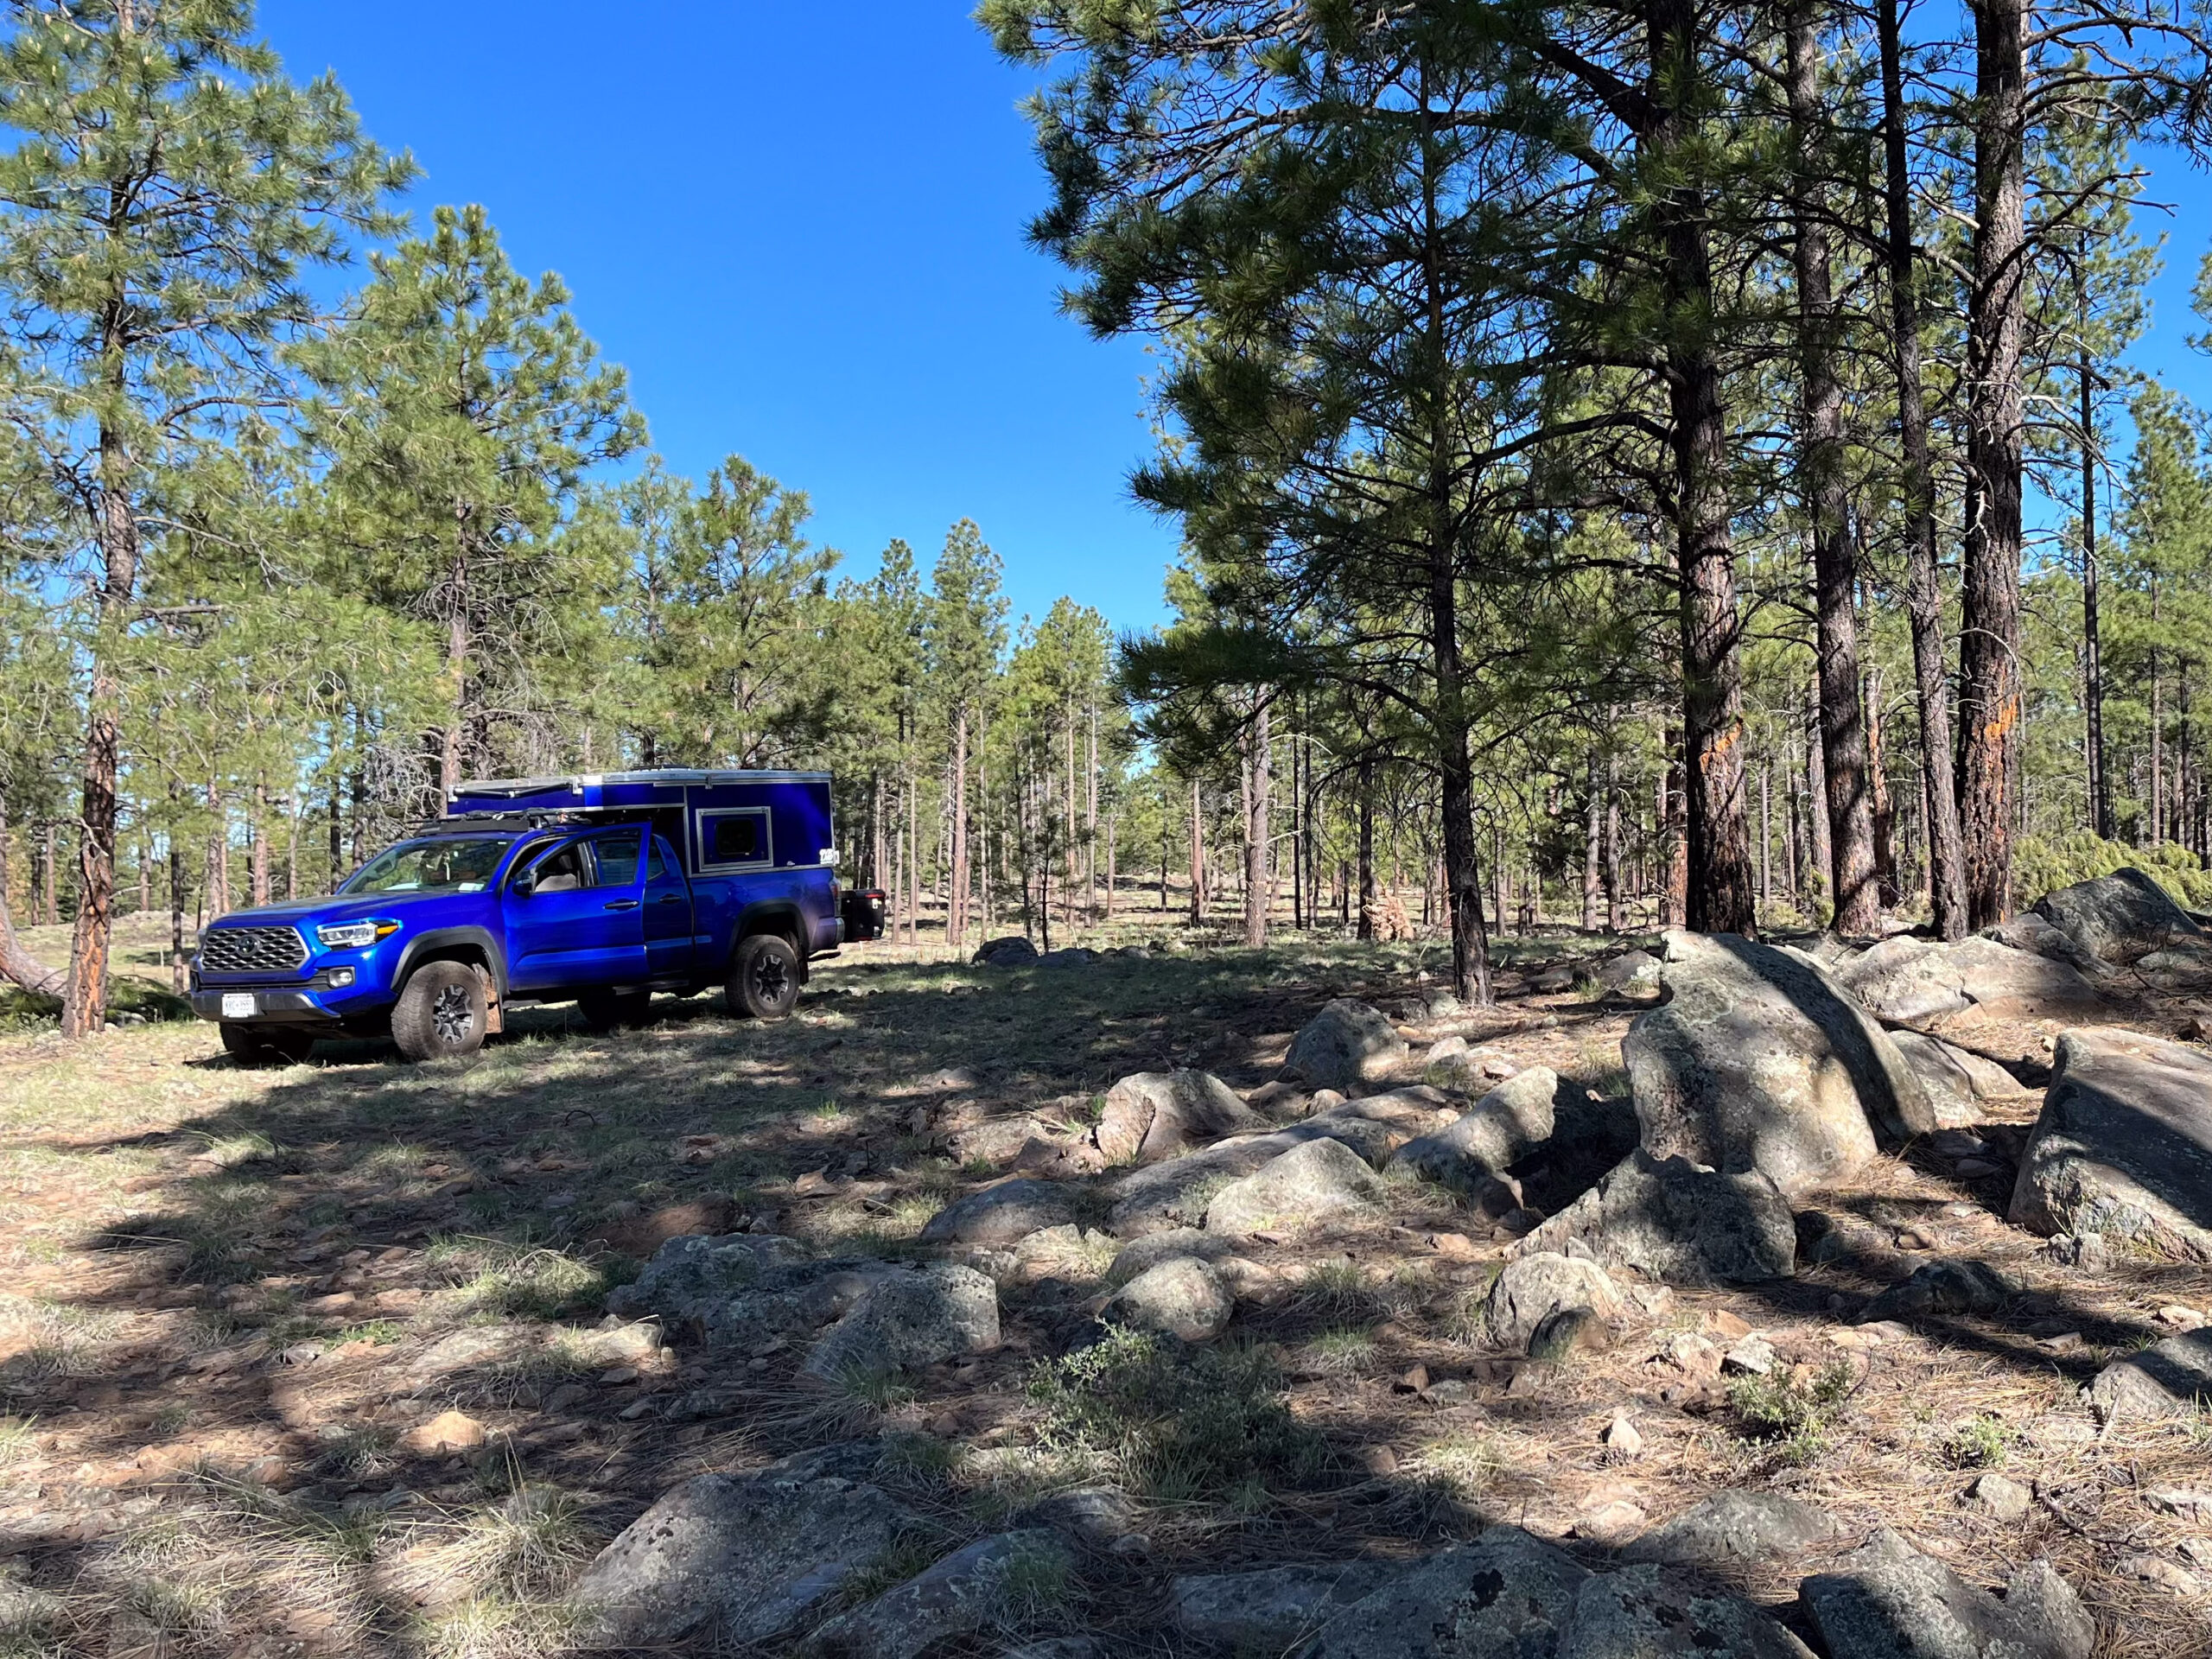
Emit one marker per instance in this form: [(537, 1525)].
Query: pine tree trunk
[(2092, 671), (1258, 778), (257, 849), (178, 973), (17, 964), (1843, 733), (1593, 833), (1885, 809), (1989, 657), (1817, 792), (957, 918), (1366, 929), (1197, 857), (1923, 594), (219, 855), (449, 753)]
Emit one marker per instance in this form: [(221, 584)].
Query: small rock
[(1622, 1440), (2166, 1575), (1002, 1213), (2172, 1379), (2001, 1498), (1346, 1045), (1734, 1529), (1453, 1246), (447, 1433), (2177, 1316), (1753, 1357), (910, 1319), (1718, 1322), (1953, 1287), (1182, 1296)]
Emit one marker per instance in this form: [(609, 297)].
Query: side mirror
[(524, 885)]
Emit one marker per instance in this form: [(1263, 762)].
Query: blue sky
[(804, 240), (801, 229)]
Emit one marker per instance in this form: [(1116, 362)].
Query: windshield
[(456, 865)]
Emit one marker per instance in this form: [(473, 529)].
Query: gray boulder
[(1308, 1184), (1002, 1214), (1493, 1134), (1272, 1609), (1953, 1287), (2172, 1379), (1142, 1254), (2028, 932), (1506, 1596), (1958, 1081), (745, 1288), (1156, 1115), (1632, 971), (1345, 1045), (1073, 956), (1531, 1288), (1182, 1296), (1644, 1612), (974, 1589), (2123, 1146), (908, 1319), (1380, 1125), (750, 1559), (1760, 1062), (1012, 951), (2120, 918), (1735, 1530), (1679, 1222), (1912, 981), (1886, 1600)]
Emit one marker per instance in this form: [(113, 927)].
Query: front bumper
[(269, 1006)]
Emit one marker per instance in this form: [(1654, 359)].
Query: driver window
[(560, 870), (617, 858)]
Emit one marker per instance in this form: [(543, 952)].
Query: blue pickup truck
[(599, 890)]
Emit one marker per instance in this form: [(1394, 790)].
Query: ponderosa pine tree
[(165, 188), (964, 636)]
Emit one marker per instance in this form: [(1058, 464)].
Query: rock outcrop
[(1759, 1061), (1886, 1600), (1158, 1115), (1915, 982), (1958, 1082), (2120, 918), (1272, 1609), (1679, 1222), (1345, 1046), (1735, 1530), (970, 1591), (1494, 1133), (2123, 1147)]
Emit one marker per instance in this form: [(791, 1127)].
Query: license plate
[(238, 1005)]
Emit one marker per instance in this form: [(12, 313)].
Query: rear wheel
[(765, 982), (441, 1014), (610, 1010), (266, 1045)]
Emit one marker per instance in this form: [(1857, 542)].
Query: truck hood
[(344, 907)]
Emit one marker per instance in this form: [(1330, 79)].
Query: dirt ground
[(238, 1307)]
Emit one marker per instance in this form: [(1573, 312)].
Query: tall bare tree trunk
[(1923, 595), (1259, 777), (957, 918), (1989, 656), (2093, 661), (1091, 822), (218, 855), (1885, 809), (1197, 856), (257, 849), (1366, 929), (450, 748), (1593, 834)]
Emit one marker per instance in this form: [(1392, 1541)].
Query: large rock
[(1347, 1045), (1679, 1222), (2123, 1146), (1510, 1596), (1002, 1214), (908, 1319), (1734, 1529), (1632, 971), (745, 1288), (1886, 1600), (970, 1590), (1493, 1134), (1958, 1081), (1156, 1115), (1272, 1609), (750, 1559), (1182, 1296), (1531, 1288), (1760, 1062), (1506, 1596), (2172, 1379), (1012, 951), (1950, 1287), (2120, 918), (1312, 1183), (1912, 981)]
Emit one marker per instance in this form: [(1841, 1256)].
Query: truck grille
[(252, 950)]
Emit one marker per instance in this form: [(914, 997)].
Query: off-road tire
[(265, 1044), (764, 983), (605, 1011), (441, 1014)]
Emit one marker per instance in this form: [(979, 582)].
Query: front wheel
[(265, 1044), (765, 982), (441, 1014)]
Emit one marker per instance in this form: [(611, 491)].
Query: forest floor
[(234, 1300)]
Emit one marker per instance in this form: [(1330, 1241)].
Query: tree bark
[(1366, 926), (449, 751), (2093, 670), (1843, 733), (1258, 776), (957, 919), (1989, 656), (1197, 856), (1923, 595), (1593, 834)]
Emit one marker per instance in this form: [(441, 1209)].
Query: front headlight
[(352, 935)]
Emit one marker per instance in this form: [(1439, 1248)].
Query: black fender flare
[(442, 938), (749, 920)]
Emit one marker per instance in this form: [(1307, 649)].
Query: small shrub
[(1981, 1442), (1176, 1423), (1458, 1466), (1792, 1420), (1341, 1352)]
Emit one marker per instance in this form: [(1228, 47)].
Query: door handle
[(671, 898), (624, 904)]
